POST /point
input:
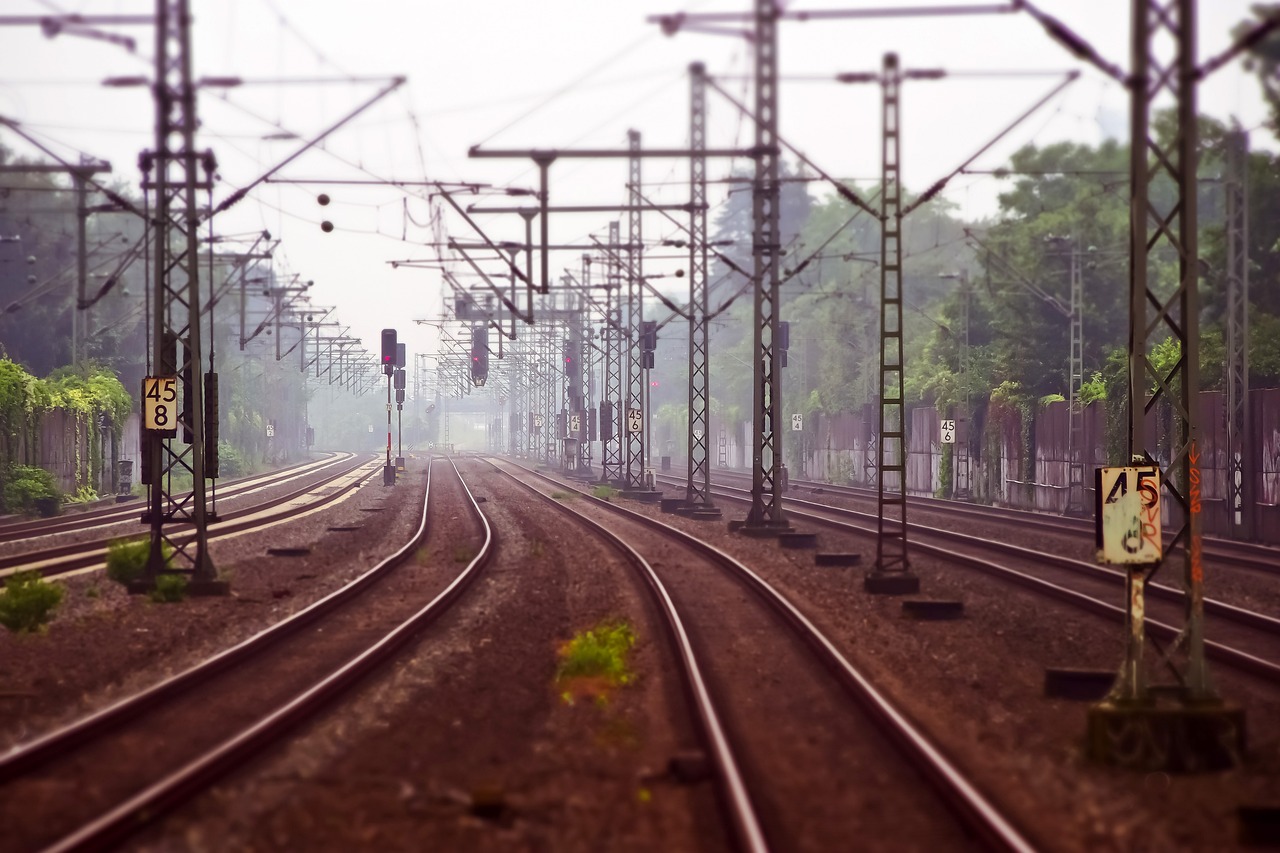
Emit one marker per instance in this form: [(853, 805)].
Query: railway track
[(1226, 553), (749, 657), (151, 751), (30, 528), (321, 487), (1244, 639)]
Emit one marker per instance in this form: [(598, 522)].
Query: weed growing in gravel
[(169, 589), (463, 554), (599, 653), (537, 549), (423, 556), (562, 496), (127, 558), (28, 602), (93, 592), (604, 492)]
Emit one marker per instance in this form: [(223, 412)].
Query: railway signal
[(389, 355), (479, 355)]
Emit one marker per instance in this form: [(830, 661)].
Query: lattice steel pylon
[(1157, 314), (635, 440), (1182, 725), (766, 512), (892, 563), (1075, 371), (1240, 458), (698, 489), (585, 355), (548, 358), (611, 449), (172, 197)]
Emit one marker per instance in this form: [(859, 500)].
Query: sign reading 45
[(159, 404), (1128, 525)]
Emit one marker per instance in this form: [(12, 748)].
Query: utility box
[(124, 479)]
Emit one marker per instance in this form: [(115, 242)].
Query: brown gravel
[(473, 713), (105, 644), (976, 685), (473, 709)]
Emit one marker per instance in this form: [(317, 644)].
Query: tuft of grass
[(127, 558), (562, 496), (93, 592), (598, 653), (537, 549), (169, 589), (422, 556), (28, 602), (83, 495), (605, 492), (463, 554)]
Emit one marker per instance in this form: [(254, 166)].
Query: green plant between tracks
[(169, 589), (596, 659), (127, 558), (28, 602)]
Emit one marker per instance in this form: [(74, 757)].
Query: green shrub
[(26, 484), (604, 492), (127, 558), (169, 588), (598, 653), (231, 462), (28, 601)]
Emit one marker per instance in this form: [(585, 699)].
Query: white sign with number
[(697, 433), (797, 423), (575, 424), (948, 432), (159, 399), (271, 431), (537, 421), (1129, 515), (635, 420)]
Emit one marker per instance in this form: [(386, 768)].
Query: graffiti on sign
[(1128, 515)]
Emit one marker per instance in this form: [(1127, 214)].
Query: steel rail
[(26, 528), (197, 775), (86, 554), (735, 796), (1250, 555), (1244, 661), (970, 805), (119, 513)]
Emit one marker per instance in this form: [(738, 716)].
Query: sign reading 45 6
[(159, 404)]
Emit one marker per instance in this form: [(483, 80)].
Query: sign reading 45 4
[(159, 404)]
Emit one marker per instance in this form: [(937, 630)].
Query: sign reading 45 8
[(159, 404)]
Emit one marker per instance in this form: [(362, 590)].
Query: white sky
[(552, 73)]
